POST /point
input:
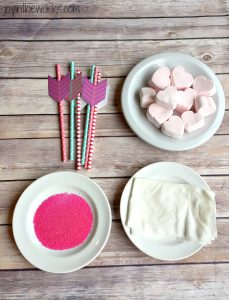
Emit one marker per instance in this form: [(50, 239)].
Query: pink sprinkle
[(63, 221)]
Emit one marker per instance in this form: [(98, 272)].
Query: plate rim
[(123, 217), (105, 239), (179, 147)]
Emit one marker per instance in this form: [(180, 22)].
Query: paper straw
[(87, 123), (92, 141), (78, 129), (90, 123), (72, 117), (61, 119)]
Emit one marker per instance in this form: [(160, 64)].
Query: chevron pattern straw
[(94, 94), (85, 139), (78, 129), (58, 89), (91, 121)]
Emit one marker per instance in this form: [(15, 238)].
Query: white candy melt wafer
[(174, 127), (203, 86), (147, 95), (192, 121), (185, 100), (157, 114), (167, 97), (180, 78), (205, 106), (160, 79)]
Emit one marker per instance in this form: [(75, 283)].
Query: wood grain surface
[(133, 282), (116, 58), (120, 9), (31, 158), (114, 29), (114, 35)]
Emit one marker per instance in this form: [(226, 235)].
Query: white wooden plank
[(147, 282), (115, 58), (114, 29)]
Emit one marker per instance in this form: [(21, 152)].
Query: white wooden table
[(114, 35)]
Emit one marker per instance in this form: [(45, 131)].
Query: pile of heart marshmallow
[(176, 102)]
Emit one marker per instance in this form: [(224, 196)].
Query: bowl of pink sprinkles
[(63, 221)]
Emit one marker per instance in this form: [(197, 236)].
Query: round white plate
[(172, 172), (136, 116), (67, 260)]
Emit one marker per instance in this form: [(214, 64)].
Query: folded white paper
[(162, 210)]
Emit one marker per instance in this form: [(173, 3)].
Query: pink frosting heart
[(174, 127), (167, 98), (147, 95), (203, 86), (192, 121), (185, 100), (205, 106), (157, 114), (180, 78), (160, 79)]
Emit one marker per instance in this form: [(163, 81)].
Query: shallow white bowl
[(169, 172), (62, 261), (136, 116)]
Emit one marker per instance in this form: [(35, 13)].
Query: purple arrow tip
[(58, 90)]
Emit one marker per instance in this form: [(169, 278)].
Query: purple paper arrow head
[(58, 89), (75, 87), (93, 94)]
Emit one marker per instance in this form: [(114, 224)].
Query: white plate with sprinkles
[(61, 222)]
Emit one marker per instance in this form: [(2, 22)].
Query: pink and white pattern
[(61, 119), (78, 130)]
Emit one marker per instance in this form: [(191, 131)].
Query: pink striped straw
[(61, 119), (92, 141), (90, 123), (78, 131)]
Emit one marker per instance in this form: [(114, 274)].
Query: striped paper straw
[(78, 131), (72, 117), (87, 123), (61, 119), (91, 147), (90, 123)]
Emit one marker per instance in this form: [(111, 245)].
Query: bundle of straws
[(79, 92)]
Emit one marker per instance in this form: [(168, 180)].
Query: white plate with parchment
[(170, 249)]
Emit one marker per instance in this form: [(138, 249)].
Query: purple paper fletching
[(93, 94), (58, 90), (75, 87)]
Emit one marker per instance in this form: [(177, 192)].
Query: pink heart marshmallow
[(205, 106), (185, 100), (146, 96), (167, 98), (160, 79), (157, 114), (203, 86), (174, 127), (180, 78), (192, 121)]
